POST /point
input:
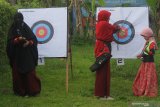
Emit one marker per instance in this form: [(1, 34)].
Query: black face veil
[(25, 58), (18, 17)]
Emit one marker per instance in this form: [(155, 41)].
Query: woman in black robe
[(23, 55)]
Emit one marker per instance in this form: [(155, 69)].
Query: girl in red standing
[(146, 82), (104, 37)]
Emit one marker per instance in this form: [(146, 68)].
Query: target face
[(43, 30), (126, 34)]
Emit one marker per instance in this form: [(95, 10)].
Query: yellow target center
[(41, 32), (122, 33)]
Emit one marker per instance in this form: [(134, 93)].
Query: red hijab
[(104, 30)]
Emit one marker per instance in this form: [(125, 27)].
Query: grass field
[(81, 86)]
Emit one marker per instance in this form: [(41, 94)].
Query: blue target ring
[(126, 34), (43, 30)]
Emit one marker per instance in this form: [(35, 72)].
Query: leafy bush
[(29, 4), (6, 13), (154, 6)]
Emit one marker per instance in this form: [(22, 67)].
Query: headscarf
[(104, 30), (104, 15), (147, 32), (18, 18), (104, 33), (24, 58), (18, 28)]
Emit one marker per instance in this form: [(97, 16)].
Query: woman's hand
[(139, 56), (117, 28), (26, 43)]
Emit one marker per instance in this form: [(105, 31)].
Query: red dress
[(104, 34), (146, 82), (25, 84)]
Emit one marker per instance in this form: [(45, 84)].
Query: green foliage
[(154, 5), (6, 13), (29, 4), (93, 7), (90, 6), (81, 40), (102, 2), (2, 1)]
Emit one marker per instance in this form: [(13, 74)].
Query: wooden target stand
[(69, 54), (68, 64), (68, 59)]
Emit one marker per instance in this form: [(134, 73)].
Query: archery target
[(43, 30), (127, 42), (126, 34)]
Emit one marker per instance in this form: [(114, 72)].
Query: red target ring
[(122, 33), (41, 32)]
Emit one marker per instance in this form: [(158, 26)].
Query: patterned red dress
[(146, 82)]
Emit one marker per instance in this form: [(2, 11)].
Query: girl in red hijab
[(104, 37)]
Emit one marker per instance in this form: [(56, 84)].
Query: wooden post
[(67, 75)]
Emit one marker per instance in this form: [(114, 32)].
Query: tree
[(90, 6), (154, 7), (51, 3), (13, 2), (5, 21)]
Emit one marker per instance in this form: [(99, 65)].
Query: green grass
[(81, 86)]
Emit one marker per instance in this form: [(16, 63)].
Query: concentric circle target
[(126, 34), (43, 30)]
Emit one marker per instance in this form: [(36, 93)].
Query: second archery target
[(43, 30), (126, 34)]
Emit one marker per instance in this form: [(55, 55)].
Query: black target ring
[(126, 34), (43, 30)]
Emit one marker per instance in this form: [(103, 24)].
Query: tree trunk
[(78, 17)]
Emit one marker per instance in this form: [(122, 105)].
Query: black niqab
[(25, 58)]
